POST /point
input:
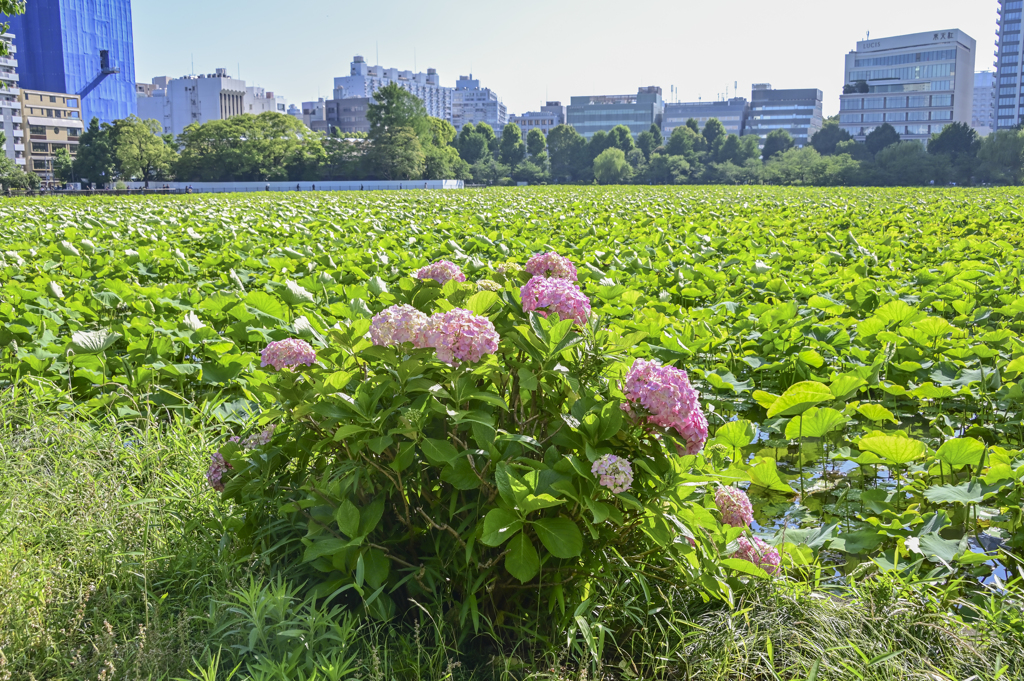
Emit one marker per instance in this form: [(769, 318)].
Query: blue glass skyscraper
[(83, 47)]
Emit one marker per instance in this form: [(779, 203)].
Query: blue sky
[(531, 50)]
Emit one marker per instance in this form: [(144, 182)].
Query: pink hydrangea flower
[(218, 467), (759, 553), (734, 504), (256, 439), (441, 271), (560, 296), (288, 353), (551, 265), (398, 324), (460, 335), (671, 402), (614, 472)]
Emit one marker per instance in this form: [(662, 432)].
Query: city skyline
[(582, 61)]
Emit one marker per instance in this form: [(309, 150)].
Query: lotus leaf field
[(858, 352)]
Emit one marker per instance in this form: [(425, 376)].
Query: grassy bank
[(114, 566)]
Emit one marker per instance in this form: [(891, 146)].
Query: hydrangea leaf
[(560, 536), (522, 561)]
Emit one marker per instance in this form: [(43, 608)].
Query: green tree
[(441, 158), (777, 142), (63, 165), (750, 149), (647, 143), (396, 154), (620, 137), (682, 142), (535, 143), (567, 153), (908, 164), (858, 151), (472, 145), (1001, 158), (881, 137), (344, 158), (664, 169), (9, 8), (599, 141), (395, 107), (610, 167), (12, 176), (961, 143), (692, 124), (714, 136), (95, 161), (490, 172), (825, 140), (488, 133), (531, 172), (655, 131), (140, 150), (511, 149), (731, 151)]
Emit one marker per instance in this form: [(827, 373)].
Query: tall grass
[(113, 565)]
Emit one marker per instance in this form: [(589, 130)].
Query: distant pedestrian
[(298, 188), (268, 186), (314, 187), (360, 188)]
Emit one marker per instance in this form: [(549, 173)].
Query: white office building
[(1009, 102), (983, 110), (363, 80), (472, 104), (550, 116), (917, 83), (732, 113), (180, 102), (10, 104)]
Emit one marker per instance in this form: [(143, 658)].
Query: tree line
[(404, 143)]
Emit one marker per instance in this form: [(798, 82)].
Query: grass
[(114, 566)]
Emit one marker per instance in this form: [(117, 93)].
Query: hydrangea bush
[(478, 447)]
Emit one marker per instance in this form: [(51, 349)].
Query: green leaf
[(499, 526), (536, 502), (347, 517), (799, 398), (481, 302), (898, 450), (439, 451), (377, 286), (371, 515), (267, 304), (293, 293), (522, 561), (876, 412), (766, 474), (560, 536), (846, 386), (744, 566), (961, 451), (459, 474), (814, 422), (611, 421), (971, 492), (93, 342), (737, 434), (66, 248)]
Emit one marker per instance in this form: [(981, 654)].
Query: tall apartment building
[(552, 114), (363, 80), (472, 104), (180, 102), (798, 112), (918, 83), (80, 47), (55, 122), (1008, 65), (10, 104), (983, 108), (731, 112), (347, 115), (638, 112)]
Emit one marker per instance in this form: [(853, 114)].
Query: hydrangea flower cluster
[(734, 505), (551, 265), (218, 467), (256, 439), (288, 353), (508, 268), (556, 295), (460, 335), (665, 392), (441, 271), (488, 285), (615, 473), (759, 553), (398, 324)]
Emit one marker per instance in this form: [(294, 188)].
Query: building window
[(72, 102), (39, 148), (917, 100), (39, 164), (942, 115), (892, 117), (873, 103), (53, 99), (36, 130), (942, 100), (917, 116)]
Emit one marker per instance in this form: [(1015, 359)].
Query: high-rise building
[(798, 112), (55, 122), (10, 104), (983, 109), (638, 112), (550, 115), (80, 47), (917, 83), (1008, 65), (363, 80), (180, 102), (472, 104), (731, 112)]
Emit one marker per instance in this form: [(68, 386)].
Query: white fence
[(221, 187)]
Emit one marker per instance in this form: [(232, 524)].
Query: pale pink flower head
[(734, 505), (759, 553), (508, 268), (671, 402), (441, 271), (288, 353), (218, 467), (560, 296), (551, 265), (256, 439), (398, 324), (614, 472), (460, 336)]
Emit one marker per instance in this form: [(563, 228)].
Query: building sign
[(948, 35)]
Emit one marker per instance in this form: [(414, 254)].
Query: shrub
[(484, 456)]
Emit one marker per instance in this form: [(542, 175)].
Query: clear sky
[(531, 50)]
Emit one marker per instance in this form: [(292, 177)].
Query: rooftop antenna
[(869, 35)]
